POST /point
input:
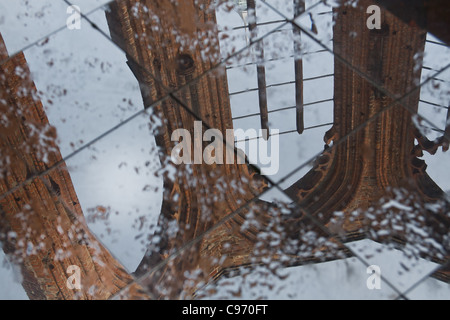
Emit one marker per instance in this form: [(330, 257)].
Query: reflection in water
[(367, 183)]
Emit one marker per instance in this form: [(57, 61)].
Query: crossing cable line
[(265, 177), (438, 43), (283, 109), (274, 59), (284, 132), (424, 278), (258, 25), (281, 84), (433, 104)]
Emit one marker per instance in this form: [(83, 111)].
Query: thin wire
[(283, 109), (258, 25), (274, 59), (438, 43), (428, 275), (440, 80), (280, 84), (434, 104), (284, 132), (432, 69)]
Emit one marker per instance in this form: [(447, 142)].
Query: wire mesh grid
[(172, 94)]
